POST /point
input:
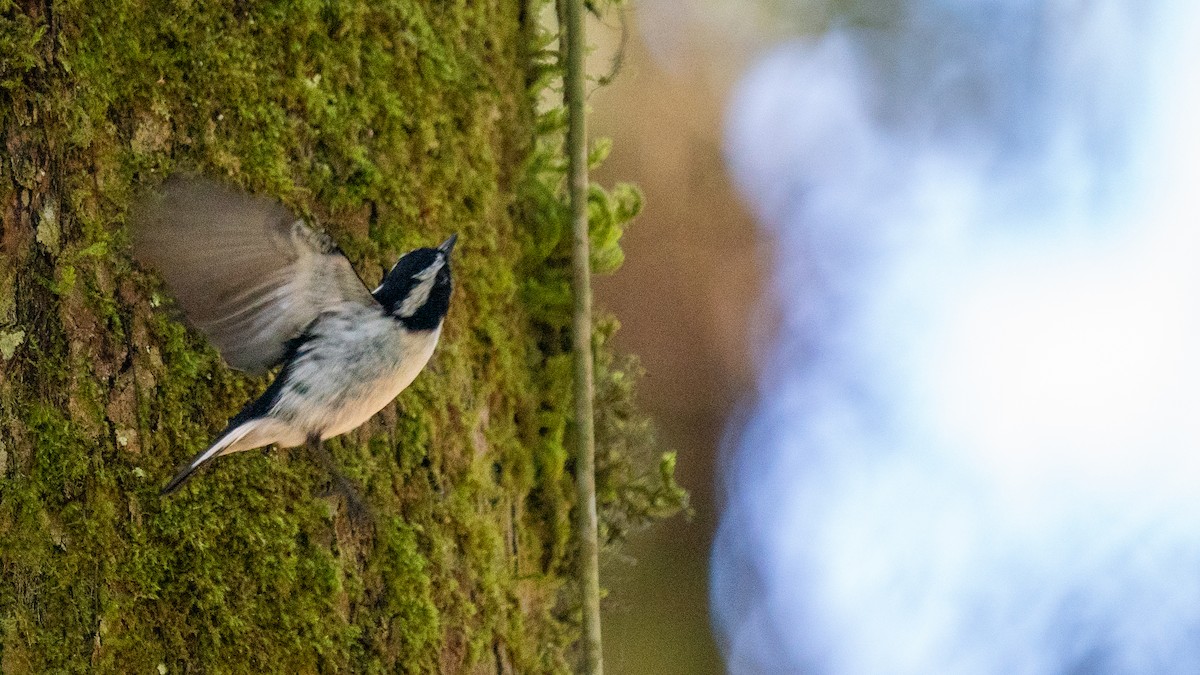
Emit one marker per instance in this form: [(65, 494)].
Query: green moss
[(392, 123)]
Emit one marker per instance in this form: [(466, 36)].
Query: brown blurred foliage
[(687, 298)]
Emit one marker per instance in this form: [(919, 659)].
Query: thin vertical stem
[(585, 461)]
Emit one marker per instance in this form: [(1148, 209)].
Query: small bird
[(268, 290)]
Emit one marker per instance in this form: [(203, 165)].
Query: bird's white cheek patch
[(420, 293)]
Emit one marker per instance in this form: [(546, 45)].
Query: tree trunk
[(391, 123)]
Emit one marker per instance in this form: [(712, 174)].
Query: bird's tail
[(237, 436)]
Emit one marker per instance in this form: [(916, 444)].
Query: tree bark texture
[(391, 124)]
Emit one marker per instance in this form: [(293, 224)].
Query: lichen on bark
[(391, 123)]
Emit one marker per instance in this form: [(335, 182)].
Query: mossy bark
[(392, 123)]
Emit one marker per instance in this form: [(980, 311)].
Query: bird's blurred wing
[(246, 272)]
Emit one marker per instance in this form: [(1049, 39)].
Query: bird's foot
[(357, 510)]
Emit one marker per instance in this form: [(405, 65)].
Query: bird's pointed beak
[(448, 245)]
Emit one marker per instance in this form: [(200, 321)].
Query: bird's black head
[(416, 292)]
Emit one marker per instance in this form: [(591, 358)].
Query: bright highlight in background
[(975, 448), (1065, 368)]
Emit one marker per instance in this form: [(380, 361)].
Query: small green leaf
[(601, 147)]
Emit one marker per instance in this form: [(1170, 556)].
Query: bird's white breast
[(356, 362)]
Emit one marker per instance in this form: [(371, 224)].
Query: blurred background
[(694, 274), (916, 288)]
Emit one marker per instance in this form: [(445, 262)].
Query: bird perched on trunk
[(267, 290)]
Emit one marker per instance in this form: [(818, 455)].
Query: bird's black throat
[(430, 315)]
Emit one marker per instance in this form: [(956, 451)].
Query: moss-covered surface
[(393, 123)]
